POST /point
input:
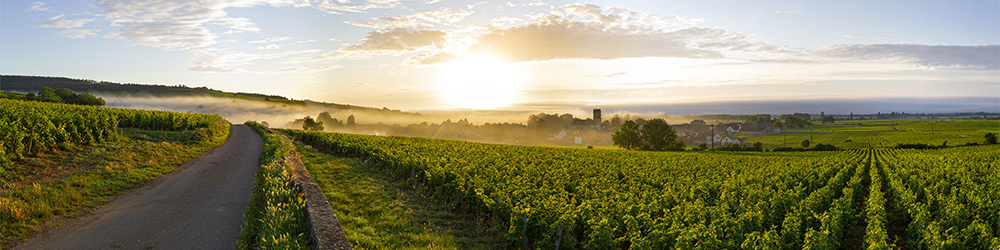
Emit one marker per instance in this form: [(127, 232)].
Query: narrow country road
[(199, 205)]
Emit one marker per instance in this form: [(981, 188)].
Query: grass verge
[(377, 212), (46, 188), (276, 216)]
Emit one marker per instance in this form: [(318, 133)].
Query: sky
[(677, 57)]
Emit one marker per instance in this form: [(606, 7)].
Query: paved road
[(199, 205)]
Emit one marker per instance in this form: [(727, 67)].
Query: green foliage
[(990, 139), (62, 95), (796, 120), (628, 136), (657, 135), (310, 124), (755, 147), (35, 127), (605, 198), (805, 143), (654, 135), (276, 217)]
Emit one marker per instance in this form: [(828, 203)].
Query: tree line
[(60, 95)]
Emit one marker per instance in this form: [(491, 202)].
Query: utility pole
[(712, 139)]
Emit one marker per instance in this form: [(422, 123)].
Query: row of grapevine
[(625, 199), (834, 222), (951, 196), (30, 127), (875, 234), (276, 217)]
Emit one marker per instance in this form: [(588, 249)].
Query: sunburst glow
[(479, 82)]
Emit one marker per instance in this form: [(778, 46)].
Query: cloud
[(223, 61), (238, 25), (271, 40), (38, 6), (306, 41), (418, 20), (870, 37), (306, 51), (398, 40), (580, 40), (181, 26), (308, 69), (60, 22), (980, 57), (77, 33), (269, 47), (786, 11), (588, 31), (338, 7)]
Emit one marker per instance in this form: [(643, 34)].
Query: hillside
[(34, 83)]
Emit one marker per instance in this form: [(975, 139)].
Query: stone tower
[(597, 118)]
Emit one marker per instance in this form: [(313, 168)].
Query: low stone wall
[(323, 224)]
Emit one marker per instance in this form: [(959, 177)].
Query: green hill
[(34, 83)]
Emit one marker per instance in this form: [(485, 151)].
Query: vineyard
[(617, 199), (33, 127)]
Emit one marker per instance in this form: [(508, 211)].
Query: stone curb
[(323, 224)]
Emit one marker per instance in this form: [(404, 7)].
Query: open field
[(884, 133)]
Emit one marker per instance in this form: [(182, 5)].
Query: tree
[(654, 134), (991, 138), (616, 121), (310, 124), (761, 118), (805, 143), (46, 94), (88, 99), (627, 136), (657, 135), (350, 122)]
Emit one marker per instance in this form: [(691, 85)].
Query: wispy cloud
[(340, 6), (398, 40), (307, 69), (271, 40), (981, 57), (38, 6), (870, 37), (78, 33), (182, 26), (60, 22), (419, 20), (786, 11)]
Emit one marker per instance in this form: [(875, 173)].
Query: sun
[(479, 82)]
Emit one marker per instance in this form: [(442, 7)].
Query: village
[(557, 129)]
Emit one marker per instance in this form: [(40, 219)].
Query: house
[(725, 139), (755, 129), (729, 139), (734, 127), (562, 133)]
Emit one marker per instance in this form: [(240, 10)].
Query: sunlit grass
[(379, 213)]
